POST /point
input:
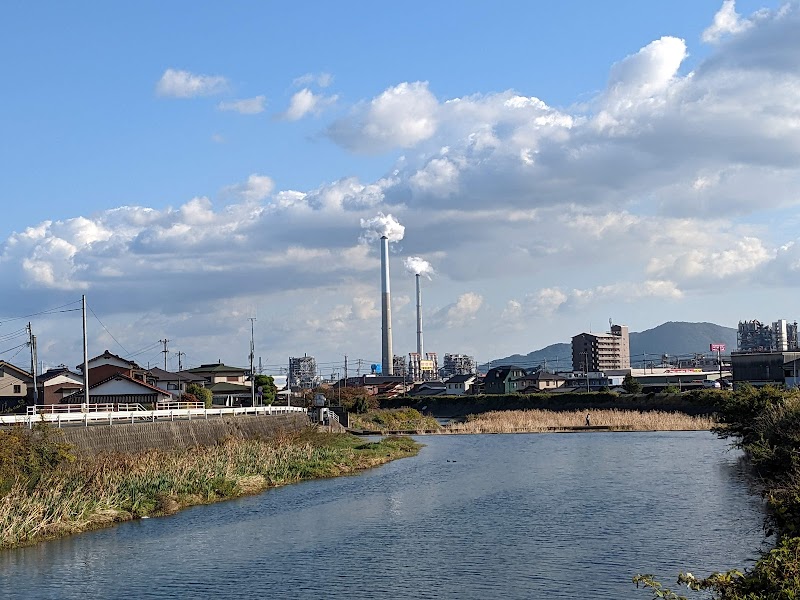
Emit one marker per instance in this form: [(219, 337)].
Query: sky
[(547, 167)]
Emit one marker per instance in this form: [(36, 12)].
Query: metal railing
[(174, 404), (81, 408), (136, 413)]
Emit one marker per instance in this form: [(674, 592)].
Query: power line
[(107, 331), (48, 311), (13, 334), (22, 345)]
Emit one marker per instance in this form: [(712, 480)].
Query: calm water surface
[(472, 517)]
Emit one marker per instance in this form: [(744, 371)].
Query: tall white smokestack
[(387, 358), (419, 319)]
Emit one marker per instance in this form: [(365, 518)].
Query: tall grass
[(532, 421), (94, 492)]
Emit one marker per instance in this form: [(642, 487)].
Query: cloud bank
[(669, 188)]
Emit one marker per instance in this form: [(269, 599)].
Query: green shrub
[(202, 394), (27, 454)]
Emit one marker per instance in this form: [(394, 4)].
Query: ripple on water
[(471, 517)]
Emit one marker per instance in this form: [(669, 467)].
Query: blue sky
[(248, 140)]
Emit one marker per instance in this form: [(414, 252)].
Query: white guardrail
[(133, 413)]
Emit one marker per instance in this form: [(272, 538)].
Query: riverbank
[(46, 492), (411, 421)]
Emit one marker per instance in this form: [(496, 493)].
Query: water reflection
[(513, 516)]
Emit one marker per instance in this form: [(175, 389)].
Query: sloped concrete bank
[(177, 435)]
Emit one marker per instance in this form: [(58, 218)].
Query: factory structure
[(755, 336), (458, 364), (302, 372)]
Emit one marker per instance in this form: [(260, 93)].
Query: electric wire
[(22, 345), (48, 311), (107, 331)]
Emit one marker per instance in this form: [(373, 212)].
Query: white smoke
[(380, 226), (418, 266)]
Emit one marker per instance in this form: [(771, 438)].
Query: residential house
[(428, 388), (106, 364), (458, 385), (230, 386), (121, 388), (57, 383), (541, 381), (502, 380), (16, 386), (174, 382)]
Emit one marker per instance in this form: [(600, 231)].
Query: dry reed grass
[(533, 421)]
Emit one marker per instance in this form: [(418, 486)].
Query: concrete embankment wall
[(177, 435)]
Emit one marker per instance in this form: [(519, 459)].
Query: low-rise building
[(174, 383), (458, 385), (57, 383), (541, 381), (16, 386), (763, 368), (502, 380), (120, 388)]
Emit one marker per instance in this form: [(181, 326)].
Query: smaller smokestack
[(387, 357), (419, 318)]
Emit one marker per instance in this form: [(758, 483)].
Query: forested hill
[(676, 338)]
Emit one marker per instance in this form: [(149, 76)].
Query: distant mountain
[(675, 338), (678, 338)]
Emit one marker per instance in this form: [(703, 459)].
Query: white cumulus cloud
[(306, 102), (726, 21), (183, 84), (245, 106), (401, 116)]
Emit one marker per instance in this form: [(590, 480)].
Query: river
[(472, 517)]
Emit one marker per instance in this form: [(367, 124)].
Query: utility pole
[(586, 368), (165, 351), (252, 358), (34, 362), (85, 407), (180, 368), (345, 370)]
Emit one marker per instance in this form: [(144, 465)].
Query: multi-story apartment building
[(602, 351)]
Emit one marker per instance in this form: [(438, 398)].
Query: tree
[(269, 390), (202, 394), (630, 385)]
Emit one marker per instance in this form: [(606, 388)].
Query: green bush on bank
[(396, 419), (26, 454)]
